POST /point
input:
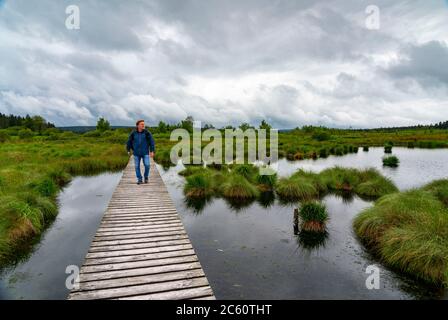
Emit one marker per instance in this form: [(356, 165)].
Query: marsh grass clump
[(238, 187), (303, 185), (342, 179), (373, 184), (388, 148), (391, 161), (266, 182), (47, 187), (409, 232), (324, 153), (59, 176), (313, 216), (248, 171), (190, 170), (295, 188), (365, 148), (198, 185), (376, 187), (439, 188)]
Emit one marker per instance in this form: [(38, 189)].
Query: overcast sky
[(226, 62)]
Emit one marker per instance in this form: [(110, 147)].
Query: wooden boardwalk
[(141, 249)]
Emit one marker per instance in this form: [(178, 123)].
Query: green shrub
[(92, 134), (323, 153), (321, 135), (3, 136), (388, 148), (25, 134), (391, 161)]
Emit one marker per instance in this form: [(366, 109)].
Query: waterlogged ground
[(253, 253), (42, 274), (250, 252)]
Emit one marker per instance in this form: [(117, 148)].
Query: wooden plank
[(161, 277), (141, 249), (148, 256), (184, 294), (139, 264), (140, 289), (137, 272), (134, 243)]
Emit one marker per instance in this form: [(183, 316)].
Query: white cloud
[(291, 62)]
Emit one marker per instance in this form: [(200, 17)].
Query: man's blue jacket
[(141, 143)]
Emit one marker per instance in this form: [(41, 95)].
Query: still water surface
[(248, 252)]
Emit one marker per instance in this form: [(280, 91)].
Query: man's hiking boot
[(139, 182), (146, 180)]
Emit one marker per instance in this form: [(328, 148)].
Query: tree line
[(34, 123)]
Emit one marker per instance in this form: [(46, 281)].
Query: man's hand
[(129, 153), (151, 154)]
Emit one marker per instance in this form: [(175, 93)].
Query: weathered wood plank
[(141, 289), (148, 256), (137, 272), (139, 264), (141, 249), (161, 277), (175, 295)]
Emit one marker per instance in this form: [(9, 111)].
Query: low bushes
[(391, 161)]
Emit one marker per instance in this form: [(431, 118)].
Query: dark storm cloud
[(291, 62), (426, 63)]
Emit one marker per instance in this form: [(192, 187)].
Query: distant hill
[(440, 125), (82, 129)]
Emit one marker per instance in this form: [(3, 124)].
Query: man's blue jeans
[(137, 160)]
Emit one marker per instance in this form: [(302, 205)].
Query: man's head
[(140, 124)]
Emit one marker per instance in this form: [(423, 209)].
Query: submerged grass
[(409, 231)]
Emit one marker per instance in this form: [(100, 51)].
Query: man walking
[(142, 145)]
